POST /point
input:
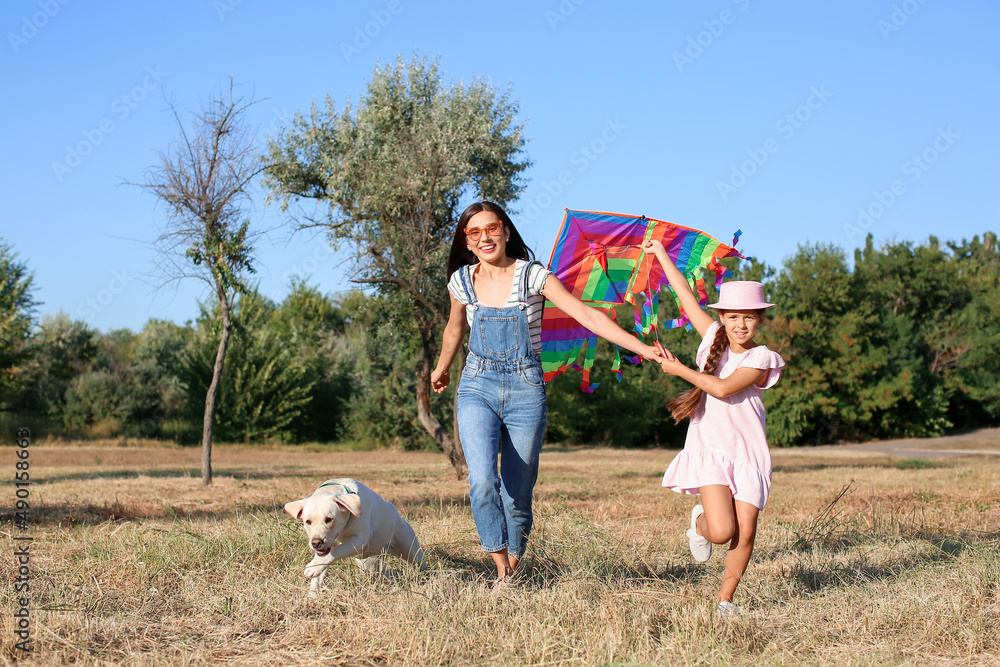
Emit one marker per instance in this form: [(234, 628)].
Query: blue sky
[(797, 123)]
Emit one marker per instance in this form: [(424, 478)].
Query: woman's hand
[(650, 353), (454, 332), (655, 352), (440, 379)]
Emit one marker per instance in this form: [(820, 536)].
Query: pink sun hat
[(741, 295)]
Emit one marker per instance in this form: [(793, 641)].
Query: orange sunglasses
[(493, 229)]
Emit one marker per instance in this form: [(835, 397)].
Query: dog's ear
[(350, 502), (295, 507)]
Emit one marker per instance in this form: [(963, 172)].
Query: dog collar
[(331, 482), (346, 490)]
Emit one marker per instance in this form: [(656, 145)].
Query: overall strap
[(465, 279), (524, 285)]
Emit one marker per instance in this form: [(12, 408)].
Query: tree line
[(902, 342)]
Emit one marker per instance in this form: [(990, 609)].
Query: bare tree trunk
[(213, 393), (449, 443)]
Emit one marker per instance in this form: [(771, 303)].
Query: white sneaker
[(701, 548), (728, 610)]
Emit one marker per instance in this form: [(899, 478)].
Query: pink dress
[(726, 443)]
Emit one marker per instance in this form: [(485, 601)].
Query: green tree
[(906, 345), (383, 349), (91, 401), (916, 291), (390, 175), (965, 349), (314, 326), (17, 311), (159, 398), (113, 388), (204, 181), (265, 389), (63, 349), (832, 343)]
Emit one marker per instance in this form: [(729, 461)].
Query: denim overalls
[(501, 408)]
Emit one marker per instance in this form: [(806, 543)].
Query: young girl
[(725, 457), (498, 293)]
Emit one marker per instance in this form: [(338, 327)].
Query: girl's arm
[(454, 332), (699, 318), (595, 320), (740, 379)]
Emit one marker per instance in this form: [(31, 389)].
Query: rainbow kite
[(598, 257)]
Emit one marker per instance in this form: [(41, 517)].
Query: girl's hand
[(672, 366), (664, 352), (649, 246), (440, 379)]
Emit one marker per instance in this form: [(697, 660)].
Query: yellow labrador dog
[(342, 518)]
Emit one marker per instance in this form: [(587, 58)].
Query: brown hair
[(687, 403)]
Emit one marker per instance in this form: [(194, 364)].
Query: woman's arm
[(454, 332), (739, 380), (595, 320), (699, 318)]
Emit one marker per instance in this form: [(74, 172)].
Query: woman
[(499, 292)]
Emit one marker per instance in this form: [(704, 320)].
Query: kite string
[(649, 292), (649, 285)]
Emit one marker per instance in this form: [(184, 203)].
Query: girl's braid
[(687, 403)]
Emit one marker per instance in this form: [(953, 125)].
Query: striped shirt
[(536, 281)]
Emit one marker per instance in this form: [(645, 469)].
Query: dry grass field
[(133, 562)]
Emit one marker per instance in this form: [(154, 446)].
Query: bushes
[(898, 347), (92, 397), (903, 343), (264, 387)]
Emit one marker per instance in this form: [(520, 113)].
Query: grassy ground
[(134, 562)]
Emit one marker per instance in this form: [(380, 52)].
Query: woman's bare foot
[(503, 564)]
